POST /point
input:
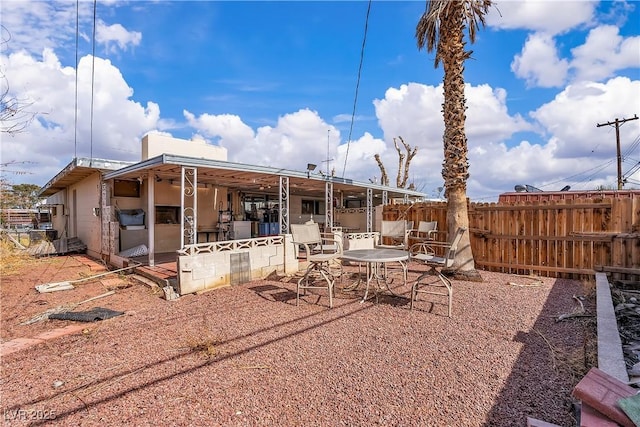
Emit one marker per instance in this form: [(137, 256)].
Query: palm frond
[(428, 27)]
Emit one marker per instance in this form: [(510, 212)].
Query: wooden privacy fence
[(562, 238)]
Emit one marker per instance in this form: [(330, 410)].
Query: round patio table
[(374, 259)]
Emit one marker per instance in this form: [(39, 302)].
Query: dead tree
[(404, 161), (15, 116), (401, 157), (384, 179)]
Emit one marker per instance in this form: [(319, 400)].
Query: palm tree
[(442, 26)]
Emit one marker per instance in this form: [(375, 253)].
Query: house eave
[(78, 169)]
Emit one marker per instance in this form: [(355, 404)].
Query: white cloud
[(541, 63), (35, 25), (227, 129), (570, 144), (50, 141), (116, 33), (346, 118), (605, 52), (550, 17), (296, 139), (538, 62), (488, 119), (361, 164), (572, 117), (413, 111), (575, 151)]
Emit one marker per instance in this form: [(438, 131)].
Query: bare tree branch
[(400, 163), (410, 155), (404, 161), (15, 116), (384, 179)]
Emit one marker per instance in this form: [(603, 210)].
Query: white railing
[(230, 245)]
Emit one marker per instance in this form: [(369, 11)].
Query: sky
[(333, 83)]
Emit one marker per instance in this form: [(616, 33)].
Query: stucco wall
[(59, 219), (295, 210), (85, 221), (155, 144)]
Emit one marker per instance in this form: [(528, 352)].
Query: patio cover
[(255, 179)]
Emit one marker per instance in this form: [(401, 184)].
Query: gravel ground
[(627, 307), (247, 356)]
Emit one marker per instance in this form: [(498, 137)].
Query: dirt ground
[(247, 356)]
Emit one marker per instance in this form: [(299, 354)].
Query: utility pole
[(617, 123)]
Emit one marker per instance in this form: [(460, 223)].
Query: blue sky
[(274, 83)]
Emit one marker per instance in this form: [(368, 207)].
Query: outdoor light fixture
[(310, 167)]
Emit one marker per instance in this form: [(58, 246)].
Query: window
[(311, 207), (354, 204), (168, 215), (122, 188)]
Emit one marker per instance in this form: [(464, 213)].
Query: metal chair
[(321, 250), (426, 231), (435, 255), (395, 231), (398, 233)]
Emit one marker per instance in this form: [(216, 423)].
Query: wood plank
[(511, 224), (573, 251), (589, 238), (542, 268), (616, 216), (560, 231), (496, 249), (540, 249), (553, 206), (530, 243), (553, 232), (586, 247), (623, 270)]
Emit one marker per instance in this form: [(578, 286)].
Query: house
[(225, 222)]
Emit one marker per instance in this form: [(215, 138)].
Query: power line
[(93, 77), (633, 146), (597, 168), (631, 171), (75, 121), (617, 122), (355, 99)]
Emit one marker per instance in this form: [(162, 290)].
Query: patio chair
[(435, 255), (426, 231), (321, 250), (367, 240), (395, 233)]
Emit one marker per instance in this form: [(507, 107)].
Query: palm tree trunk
[(457, 215), (455, 169)]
